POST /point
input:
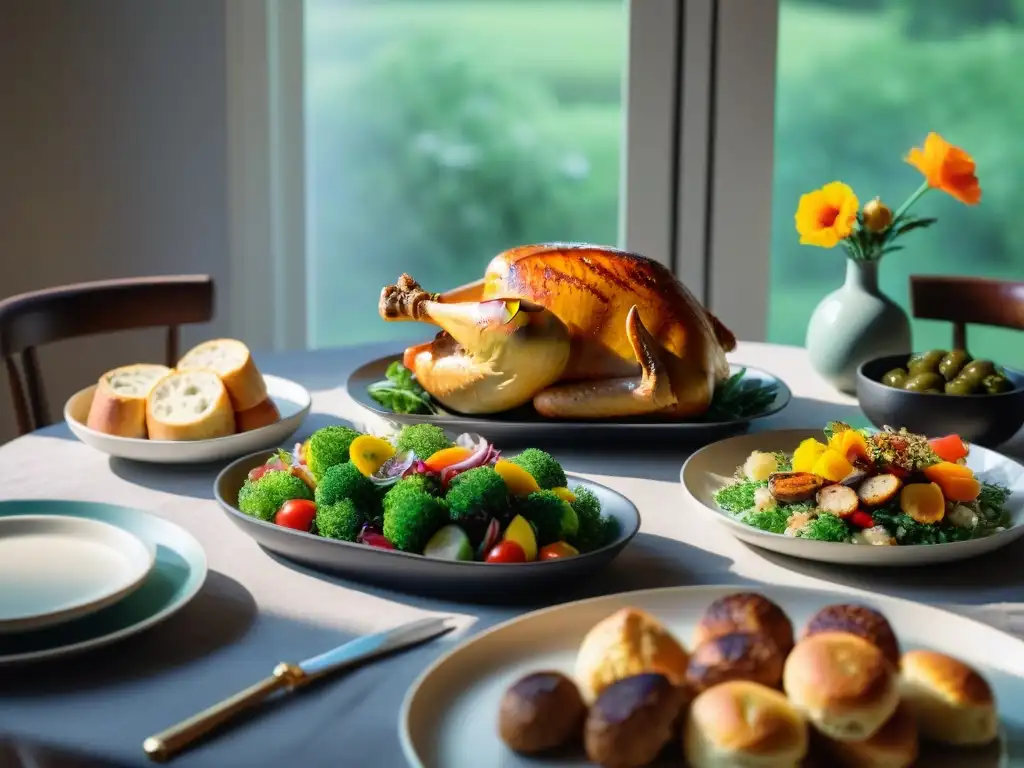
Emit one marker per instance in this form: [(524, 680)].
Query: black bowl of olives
[(942, 392)]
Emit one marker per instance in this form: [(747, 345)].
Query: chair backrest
[(31, 320), (963, 300)]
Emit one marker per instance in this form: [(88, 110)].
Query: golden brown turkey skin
[(591, 290)]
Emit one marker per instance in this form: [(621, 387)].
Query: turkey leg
[(648, 393)]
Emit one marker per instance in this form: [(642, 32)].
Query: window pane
[(441, 132), (859, 83)]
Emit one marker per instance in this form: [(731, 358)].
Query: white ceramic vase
[(854, 324)]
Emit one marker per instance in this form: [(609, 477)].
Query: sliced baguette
[(119, 404), (231, 360), (262, 415), (189, 405)]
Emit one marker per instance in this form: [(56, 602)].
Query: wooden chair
[(31, 320), (963, 300)]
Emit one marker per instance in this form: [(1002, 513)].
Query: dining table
[(256, 609)]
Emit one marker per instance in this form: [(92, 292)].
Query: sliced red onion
[(393, 469), (490, 538), (481, 450)]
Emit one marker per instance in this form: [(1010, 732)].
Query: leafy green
[(991, 504), (826, 527), (773, 520), (399, 392), (740, 398), (906, 530), (834, 427), (738, 497), (783, 462)]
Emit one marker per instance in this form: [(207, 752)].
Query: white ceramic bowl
[(713, 467), (292, 400)]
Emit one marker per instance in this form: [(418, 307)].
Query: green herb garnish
[(773, 520), (399, 392), (906, 530), (826, 527), (738, 497), (991, 502), (834, 427), (739, 398)]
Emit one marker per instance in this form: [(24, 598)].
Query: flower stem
[(909, 202)]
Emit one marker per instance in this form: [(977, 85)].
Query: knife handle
[(165, 745)]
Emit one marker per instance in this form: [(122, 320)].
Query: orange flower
[(825, 216), (947, 168)]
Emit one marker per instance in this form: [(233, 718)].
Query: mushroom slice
[(838, 500), (791, 487), (878, 490)]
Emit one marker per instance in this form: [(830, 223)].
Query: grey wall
[(113, 160)]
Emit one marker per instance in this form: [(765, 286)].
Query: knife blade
[(289, 677), (371, 646)]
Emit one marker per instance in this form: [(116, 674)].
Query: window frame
[(695, 186)]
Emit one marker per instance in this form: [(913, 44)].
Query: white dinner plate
[(449, 717), (173, 580), (54, 569), (292, 400), (713, 467)]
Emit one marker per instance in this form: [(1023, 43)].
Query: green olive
[(960, 386), (951, 364), (922, 382), (977, 370), (926, 362), (895, 378), (995, 383)]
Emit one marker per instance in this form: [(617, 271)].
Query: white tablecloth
[(254, 611)]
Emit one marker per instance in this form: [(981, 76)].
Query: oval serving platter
[(713, 466), (292, 399), (525, 423), (449, 716), (416, 573)]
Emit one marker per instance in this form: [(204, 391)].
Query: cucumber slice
[(449, 543)]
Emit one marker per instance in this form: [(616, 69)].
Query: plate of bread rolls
[(715, 677), (213, 405)]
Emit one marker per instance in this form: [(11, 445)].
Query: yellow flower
[(827, 215), (947, 168), (877, 216)]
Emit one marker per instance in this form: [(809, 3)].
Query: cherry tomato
[(506, 552), (297, 514), (861, 519), (373, 539), (949, 448), (557, 551)]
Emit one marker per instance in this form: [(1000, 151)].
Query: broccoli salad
[(888, 487), (423, 493)]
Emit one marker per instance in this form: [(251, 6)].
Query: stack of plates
[(77, 575)]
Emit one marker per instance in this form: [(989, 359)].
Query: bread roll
[(633, 720), (262, 415), (629, 642), (749, 656), (894, 745), (541, 711), (843, 685), (951, 702), (745, 612), (740, 723), (189, 405), (231, 360), (119, 404), (857, 620)]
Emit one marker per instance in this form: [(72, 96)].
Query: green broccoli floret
[(545, 470), (412, 516), (344, 481), (552, 517), (341, 520), (773, 520), (595, 529), (428, 483), (262, 498), (739, 496), (474, 497), (826, 527), (328, 447), (422, 439)]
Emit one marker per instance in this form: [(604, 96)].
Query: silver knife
[(289, 677)]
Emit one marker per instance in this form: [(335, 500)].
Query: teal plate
[(177, 575)]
